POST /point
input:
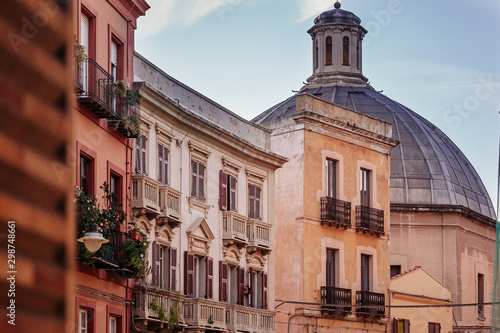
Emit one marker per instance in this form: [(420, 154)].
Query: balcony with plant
[(124, 252)]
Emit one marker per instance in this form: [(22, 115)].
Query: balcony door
[(365, 272), (330, 267), (331, 178), (85, 42)]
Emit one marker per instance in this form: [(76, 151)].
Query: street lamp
[(93, 238)]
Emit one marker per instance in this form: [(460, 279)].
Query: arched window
[(329, 51), (345, 53)]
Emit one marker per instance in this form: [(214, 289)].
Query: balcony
[(111, 255), (370, 304), (145, 195), (234, 228), (240, 318), (201, 313), (259, 234), (94, 88), (127, 111), (335, 301), (143, 310), (335, 212), (370, 220), (170, 206)]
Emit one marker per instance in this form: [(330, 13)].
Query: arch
[(345, 51), (329, 51)]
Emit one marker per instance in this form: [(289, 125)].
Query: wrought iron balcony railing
[(112, 254), (94, 87), (335, 212), (336, 300), (370, 220), (370, 304), (127, 111)]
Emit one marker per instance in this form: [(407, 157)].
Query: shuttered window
[(241, 285), (401, 326), (210, 278), (330, 267), (264, 290), (85, 32), (364, 187), (223, 281), (173, 268), (189, 274), (156, 264), (254, 202), (140, 154), (331, 178), (365, 272), (163, 164), (227, 192), (86, 174), (434, 328), (197, 180), (114, 60)]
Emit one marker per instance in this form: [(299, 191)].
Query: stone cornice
[(457, 209)]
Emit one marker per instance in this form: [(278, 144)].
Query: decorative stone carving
[(199, 237)]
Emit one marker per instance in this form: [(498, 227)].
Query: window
[(85, 320), (258, 289), (162, 164), (164, 266), (395, 270), (86, 174), (112, 324), (227, 192), (198, 180), (330, 267), (236, 283), (87, 31), (223, 281), (358, 55), (114, 60), (345, 53), (364, 183), (316, 55), (365, 272), (115, 190), (331, 178), (198, 276), (401, 326), (140, 154), (329, 51), (434, 328), (254, 201), (480, 295)]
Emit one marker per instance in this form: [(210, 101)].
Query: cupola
[(337, 49)]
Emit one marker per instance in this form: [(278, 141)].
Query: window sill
[(198, 205)]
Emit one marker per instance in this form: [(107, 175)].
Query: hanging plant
[(120, 88), (80, 53)]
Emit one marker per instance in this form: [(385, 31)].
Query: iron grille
[(335, 212), (370, 220), (336, 299), (369, 303)]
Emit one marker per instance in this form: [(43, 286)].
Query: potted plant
[(80, 53)]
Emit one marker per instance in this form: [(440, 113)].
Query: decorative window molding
[(164, 235), (198, 152), (199, 237), (232, 254), (256, 261), (164, 134), (230, 167), (200, 206), (255, 176)]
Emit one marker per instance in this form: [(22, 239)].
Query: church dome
[(427, 168), (337, 15)]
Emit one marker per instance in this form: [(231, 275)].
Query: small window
[(345, 53), (85, 321), (434, 328), (86, 174), (358, 55), (254, 192), (331, 178), (115, 190), (198, 276), (113, 324), (236, 283), (163, 164), (316, 55), (331, 267), (395, 270), (365, 272), (480, 295), (401, 326), (258, 289), (140, 154), (198, 180), (364, 183), (329, 51), (227, 192)]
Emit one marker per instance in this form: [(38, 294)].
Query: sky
[(439, 58)]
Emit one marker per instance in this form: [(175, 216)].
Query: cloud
[(183, 13), (311, 8)]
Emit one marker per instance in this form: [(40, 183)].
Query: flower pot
[(134, 234), (119, 228)]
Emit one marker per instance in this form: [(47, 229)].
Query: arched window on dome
[(329, 51), (345, 53)]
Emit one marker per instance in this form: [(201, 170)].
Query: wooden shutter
[(194, 178), (223, 278), (264, 290), (173, 267), (251, 288), (232, 194), (201, 180), (140, 162), (188, 274), (241, 285), (257, 202), (162, 164), (210, 278), (251, 201), (395, 325), (156, 263), (407, 326), (222, 190)]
